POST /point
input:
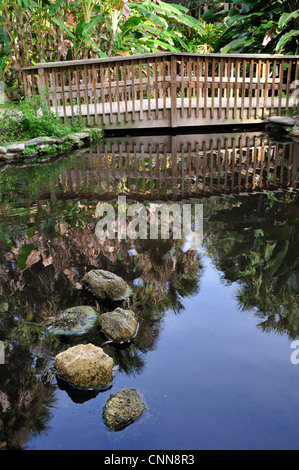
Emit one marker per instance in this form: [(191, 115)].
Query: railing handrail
[(125, 58)]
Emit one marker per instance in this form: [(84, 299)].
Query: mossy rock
[(106, 285), (119, 325), (85, 366), (122, 409), (73, 321)]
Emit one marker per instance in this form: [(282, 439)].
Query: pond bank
[(284, 125), (45, 146)]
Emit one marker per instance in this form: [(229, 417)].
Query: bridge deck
[(113, 114)]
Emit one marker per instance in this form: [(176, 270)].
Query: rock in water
[(119, 325), (85, 366), (282, 120), (106, 285), (73, 321), (122, 409)]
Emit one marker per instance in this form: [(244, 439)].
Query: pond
[(215, 356)]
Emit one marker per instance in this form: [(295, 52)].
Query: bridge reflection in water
[(180, 166)]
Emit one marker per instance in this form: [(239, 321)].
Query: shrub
[(31, 118)]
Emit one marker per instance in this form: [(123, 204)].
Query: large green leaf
[(238, 45), (285, 39), (84, 29), (63, 26), (237, 18), (287, 17), (155, 19)]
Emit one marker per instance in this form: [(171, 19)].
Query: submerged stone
[(85, 366), (106, 285), (73, 321), (119, 325), (122, 409)]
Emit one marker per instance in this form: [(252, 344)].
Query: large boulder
[(74, 320), (122, 409), (119, 325), (85, 366), (106, 285), (282, 120)]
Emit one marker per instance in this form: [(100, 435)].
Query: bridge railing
[(168, 89)]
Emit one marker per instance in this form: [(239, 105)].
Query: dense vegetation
[(44, 30), (34, 31), (259, 26)]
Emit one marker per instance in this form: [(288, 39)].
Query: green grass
[(31, 118)]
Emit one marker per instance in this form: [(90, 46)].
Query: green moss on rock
[(73, 321)]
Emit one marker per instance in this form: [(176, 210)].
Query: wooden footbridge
[(168, 89)]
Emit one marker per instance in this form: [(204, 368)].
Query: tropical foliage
[(42, 31), (34, 31), (266, 27)]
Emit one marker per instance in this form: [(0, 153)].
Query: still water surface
[(212, 357)]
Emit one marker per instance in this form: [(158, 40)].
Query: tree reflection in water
[(254, 241), (47, 243)]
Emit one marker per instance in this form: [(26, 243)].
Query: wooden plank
[(164, 68), (288, 84), (228, 88), (148, 89), (266, 91), (250, 88), (206, 72), (243, 89), (102, 78), (220, 88), (53, 77), (151, 55), (78, 89), (258, 91), (110, 93), (71, 99), (213, 87), (156, 91), (86, 93), (173, 91), (141, 89), (126, 92), (117, 71), (273, 86), (62, 78), (235, 91), (182, 86), (95, 99), (280, 85), (189, 73), (198, 71)]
